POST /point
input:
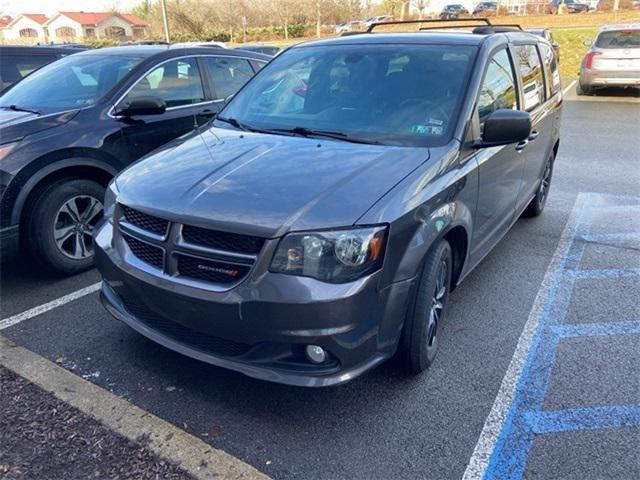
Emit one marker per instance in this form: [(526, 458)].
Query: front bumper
[(260, 326)]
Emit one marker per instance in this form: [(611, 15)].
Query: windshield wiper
[(308, 132), (233, 122), (16, 108)]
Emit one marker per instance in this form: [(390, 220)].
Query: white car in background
[(380, 18), (212, 43), (613, 59), (348, 26)]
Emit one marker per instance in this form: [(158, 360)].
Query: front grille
[(144, 221), (210, 270), (232, 242), (203, 255), (198, 340), (147, 253)]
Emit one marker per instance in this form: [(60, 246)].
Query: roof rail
[(486, 21), (510, 25)]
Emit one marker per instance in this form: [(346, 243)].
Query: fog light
[(315, 354)]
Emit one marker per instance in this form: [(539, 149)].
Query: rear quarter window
[(550, 69)]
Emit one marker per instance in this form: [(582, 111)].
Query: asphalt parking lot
[(564, 287)]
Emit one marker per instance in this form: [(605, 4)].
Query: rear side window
[(257, 65), (619, 39), (550, 69), (177, 82), (530, 68), (498, 87), (15, 67), (228, 74)]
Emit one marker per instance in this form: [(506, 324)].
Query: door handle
[(522, 145), (533, 135)]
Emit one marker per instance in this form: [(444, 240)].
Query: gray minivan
[(318, 225)]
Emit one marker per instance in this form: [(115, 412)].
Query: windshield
[(619, 39), (72, 82), (405, 95)]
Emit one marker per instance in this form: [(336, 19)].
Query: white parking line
[(479, 461), (568, 87), (40, 309)]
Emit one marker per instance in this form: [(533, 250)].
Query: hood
[(263, 184), (16, 125)]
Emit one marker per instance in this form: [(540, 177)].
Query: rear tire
[(423, 324), (582, 90), (59, 223), (538, 202)]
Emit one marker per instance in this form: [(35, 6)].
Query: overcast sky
[(12, 7)]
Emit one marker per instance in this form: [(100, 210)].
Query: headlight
[(336, 256), (110, 200)]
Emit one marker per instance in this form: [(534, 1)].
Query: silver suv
[(613, 59)]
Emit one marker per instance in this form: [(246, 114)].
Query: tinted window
[(550, 69), (15, 67), (228, 74), (71, 82), (528, 62), (257, 65), (406, 95), (177, 82), (498, 88), (619, 39)]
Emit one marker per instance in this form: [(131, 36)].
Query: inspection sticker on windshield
[(427, 129)]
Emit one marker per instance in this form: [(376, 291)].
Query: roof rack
[(486, 27), (486, 21)]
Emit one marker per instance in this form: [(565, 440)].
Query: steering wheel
[(427, 106)]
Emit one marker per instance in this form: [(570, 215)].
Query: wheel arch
[(458, 239), (452, 222), (73, 166)]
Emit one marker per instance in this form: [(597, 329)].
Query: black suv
[(320, 223), (17, 61), (67, 128), (453, 11)]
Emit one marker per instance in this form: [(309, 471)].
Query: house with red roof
[(65, 26), (29, 26), (74, 26)]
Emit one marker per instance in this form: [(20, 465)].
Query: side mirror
[(587, 42), (503, 127), (142, 106)]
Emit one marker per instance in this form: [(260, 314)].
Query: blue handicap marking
[(598, 221)]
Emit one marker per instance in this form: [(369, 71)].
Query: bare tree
[(421, 6)]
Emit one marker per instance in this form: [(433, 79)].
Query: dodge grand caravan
[(318, 225)]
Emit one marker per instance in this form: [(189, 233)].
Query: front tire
[(60, 221), (419, 343), (538, 202)]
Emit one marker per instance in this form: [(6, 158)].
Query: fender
[(424, 208), (51, 168), (434, 227)]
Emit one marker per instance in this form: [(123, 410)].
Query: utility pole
[(165, 20)]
